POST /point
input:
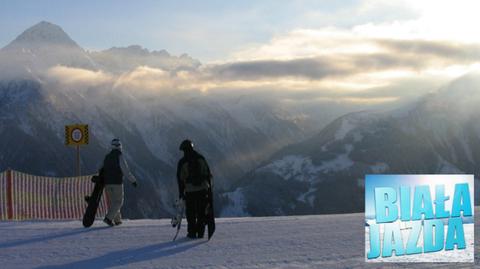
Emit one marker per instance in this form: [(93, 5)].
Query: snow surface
[(308, 196), (294, 167), (324, 241), (344, 129), (339, 163), (301, 168)]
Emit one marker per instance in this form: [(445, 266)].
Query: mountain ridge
[(438, 134)]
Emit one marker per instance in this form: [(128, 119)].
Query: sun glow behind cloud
[(78, 76), (442, 42), (437, 20)]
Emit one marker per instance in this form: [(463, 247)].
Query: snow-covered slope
[(439, 134), (325, 241)]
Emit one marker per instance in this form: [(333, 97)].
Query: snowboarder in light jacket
[(194, 183), (114, 169)]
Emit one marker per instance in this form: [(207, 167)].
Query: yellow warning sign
[(76, 134)]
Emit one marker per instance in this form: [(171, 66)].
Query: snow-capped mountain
[(39, 47), (125, 59), (235, 134), (438, 134)]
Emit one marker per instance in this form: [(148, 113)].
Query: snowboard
[(177, 219), (93, 201), (210, 216)]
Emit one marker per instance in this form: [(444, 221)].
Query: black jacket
[(112, 173)]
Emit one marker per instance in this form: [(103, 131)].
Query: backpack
[(195, 175)]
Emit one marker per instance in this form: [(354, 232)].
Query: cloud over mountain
[(301, 65), (77, 76)]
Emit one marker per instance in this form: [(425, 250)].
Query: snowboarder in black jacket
[(194, 184)]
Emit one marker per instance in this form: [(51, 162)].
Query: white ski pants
[(115, 197)]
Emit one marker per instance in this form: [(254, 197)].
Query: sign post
[(76, 135)]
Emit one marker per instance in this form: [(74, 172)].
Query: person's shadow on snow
[(129, 256), (48, 237)]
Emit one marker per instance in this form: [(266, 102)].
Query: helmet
[(186, 145), (116, 144)]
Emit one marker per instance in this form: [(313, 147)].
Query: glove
[(134, 184), (181, 196)]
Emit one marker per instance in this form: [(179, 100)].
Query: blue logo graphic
[(419, 218)]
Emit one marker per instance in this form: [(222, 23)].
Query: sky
[(206, 29), (213, 30), (358, 51)]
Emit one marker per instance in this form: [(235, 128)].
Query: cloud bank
[(78, 76), (345, 67), (373, 57)]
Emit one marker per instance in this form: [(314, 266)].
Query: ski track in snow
[(322, 241)]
